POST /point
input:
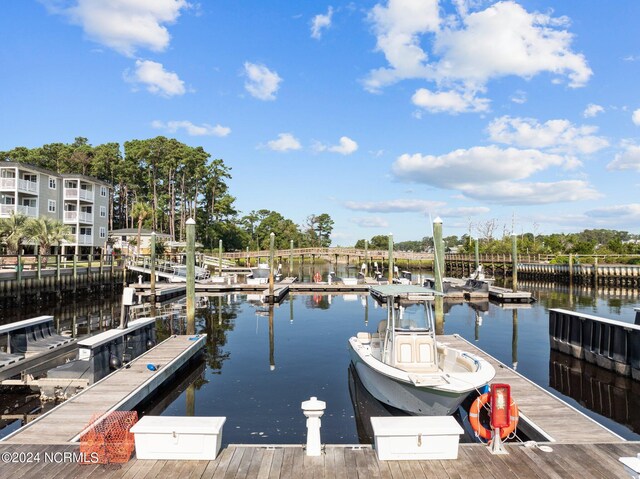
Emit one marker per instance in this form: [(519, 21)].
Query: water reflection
[(365, 406), (261, 362), (598, 389)]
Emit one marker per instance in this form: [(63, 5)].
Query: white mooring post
[(313, 410)]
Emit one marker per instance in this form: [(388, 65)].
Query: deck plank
[(565, 461)]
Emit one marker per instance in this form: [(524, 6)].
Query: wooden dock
[(573, 461), (574, 445), (121, 390), (542, 414)]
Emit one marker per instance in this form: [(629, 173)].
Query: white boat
[(260, 274), (403, 365)]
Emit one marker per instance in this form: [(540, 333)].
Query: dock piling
[(191, 276)]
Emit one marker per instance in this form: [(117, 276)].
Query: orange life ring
[(317, 278), (474, 417)]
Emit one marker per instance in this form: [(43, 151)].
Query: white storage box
[(416, 437), (182, 437)]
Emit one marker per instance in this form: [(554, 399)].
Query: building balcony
[(78, 217), (23, 186), (30, 211), (6, 210), (8, 184), (85, 240), (75, 193)]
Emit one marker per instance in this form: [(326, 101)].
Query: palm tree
[(46, 232), (12, 231), (140, 212)]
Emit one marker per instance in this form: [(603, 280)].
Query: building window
[(103, 212), (103, 191), (53, 184), (103, 232), (52, 206)]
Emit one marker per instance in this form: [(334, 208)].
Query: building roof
[(29, 166), (86, 178)]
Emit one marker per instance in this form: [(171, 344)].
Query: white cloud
[(156, 79), (393, 206), (628, 159), (346, 146), (373, 222), (192, 130), (463, 211), (449, 101), (555, 135), (123, 25), (261, 83), (480, 164), (521, 193), (494, 174), (470, 49), (519, 97), (636, 117), (321, 22), (398, 27), (503, 40), (592, 110), (285, 142), (628, 212)]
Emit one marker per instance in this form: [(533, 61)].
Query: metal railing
[(170, 268)]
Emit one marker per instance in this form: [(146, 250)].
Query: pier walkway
[(565, 461), (121, 390), (541, 413)]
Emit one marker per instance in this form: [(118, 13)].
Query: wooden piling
[(191, 276)]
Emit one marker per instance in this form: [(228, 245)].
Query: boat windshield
[(413, 317)]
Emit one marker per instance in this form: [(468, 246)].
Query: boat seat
[(414, 353), (364, 338), (382, 327)]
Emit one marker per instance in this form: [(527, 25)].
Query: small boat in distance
[(403, 365), (260, 274)]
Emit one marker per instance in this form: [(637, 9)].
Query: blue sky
[(377, 113)]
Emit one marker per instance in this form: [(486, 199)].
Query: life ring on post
[(317, 278), (474, 417)]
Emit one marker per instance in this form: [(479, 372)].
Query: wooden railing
[(329, 252)]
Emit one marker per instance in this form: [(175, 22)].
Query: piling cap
[(191, 221), (438, 220), (314, 405)]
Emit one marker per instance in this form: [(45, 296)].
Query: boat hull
[(418, 401)]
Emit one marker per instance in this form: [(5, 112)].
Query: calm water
[(258, 375)]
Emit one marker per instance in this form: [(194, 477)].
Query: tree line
[(587, 242), (158, 183)]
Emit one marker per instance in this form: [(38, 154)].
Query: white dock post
[(314, 410)]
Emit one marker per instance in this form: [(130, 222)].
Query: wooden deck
[(572, 461), (121, 390), (559, 421)]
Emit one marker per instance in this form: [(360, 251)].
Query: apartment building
[(82, 202)]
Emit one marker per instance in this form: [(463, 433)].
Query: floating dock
[(32, 345), (120, 391), (543, 416)]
